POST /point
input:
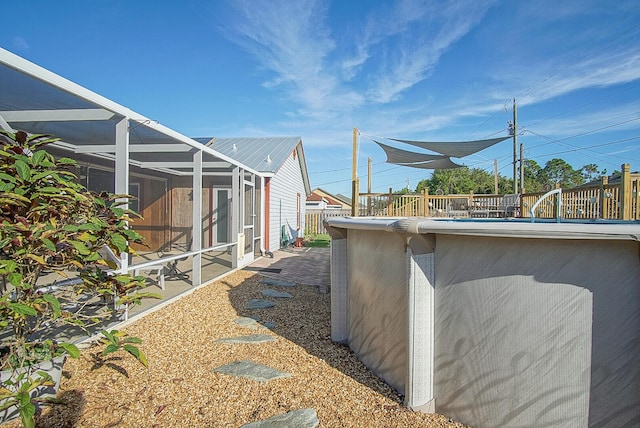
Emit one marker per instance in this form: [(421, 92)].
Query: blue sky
[(422, 70)]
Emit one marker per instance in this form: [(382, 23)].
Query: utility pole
[(495, 176), (515, 147)]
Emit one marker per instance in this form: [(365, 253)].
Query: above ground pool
[(494, 323)]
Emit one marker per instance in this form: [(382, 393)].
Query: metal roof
[(264, 154), (36, 100)]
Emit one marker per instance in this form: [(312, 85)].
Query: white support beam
[(183, 165), (235, 213), (196, 228), (69, 115), (4, 125), (136, 148), (263, 215), (122, 174)]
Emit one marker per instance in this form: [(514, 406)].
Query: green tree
[(462, 181), (590, 172), (558, 172), (533, 177)]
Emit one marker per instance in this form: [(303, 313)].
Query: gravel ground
[(180, 388)]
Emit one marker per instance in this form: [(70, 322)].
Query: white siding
[(285, 187)]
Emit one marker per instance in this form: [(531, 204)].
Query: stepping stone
[(303, 418), (278, 282), (251, 323), (251, 370), (251, 338), (260, 304), (278, 294), (269, 324)]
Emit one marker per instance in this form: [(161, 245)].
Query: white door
[(249, 218)]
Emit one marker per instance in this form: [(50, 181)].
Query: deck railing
[(617, 200)]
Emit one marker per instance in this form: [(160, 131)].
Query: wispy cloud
[(612, 68), (291, 40), (621, 117), (400, 45), (428, 29)]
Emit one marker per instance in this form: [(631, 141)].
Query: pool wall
[(494, 324)]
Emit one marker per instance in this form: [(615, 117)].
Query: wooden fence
[(616, 200), (314, 219), (619, 200)]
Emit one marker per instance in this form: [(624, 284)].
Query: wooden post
[(354, 175), (369, 186), (522, 169), (425, 206), (625, 192), (355, 209), (603, 199), (390, 203)]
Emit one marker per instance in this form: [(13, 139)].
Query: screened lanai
[(202, 211)]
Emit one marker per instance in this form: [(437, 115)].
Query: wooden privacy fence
[(426, 205), (314, 219), (615, 199)]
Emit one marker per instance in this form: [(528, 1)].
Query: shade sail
[(456, 149), (443, 163), (400, 156)]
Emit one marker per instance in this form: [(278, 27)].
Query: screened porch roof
[(36, 100)]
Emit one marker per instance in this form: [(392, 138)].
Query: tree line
[(536, 178)]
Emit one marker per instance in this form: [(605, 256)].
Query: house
[(280, 163), (322, 200)]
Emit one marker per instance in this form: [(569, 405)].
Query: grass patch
[(320, 240)]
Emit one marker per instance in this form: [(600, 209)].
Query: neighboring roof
[(38, 101), (345, 199), (319, 195), (263, 154)]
